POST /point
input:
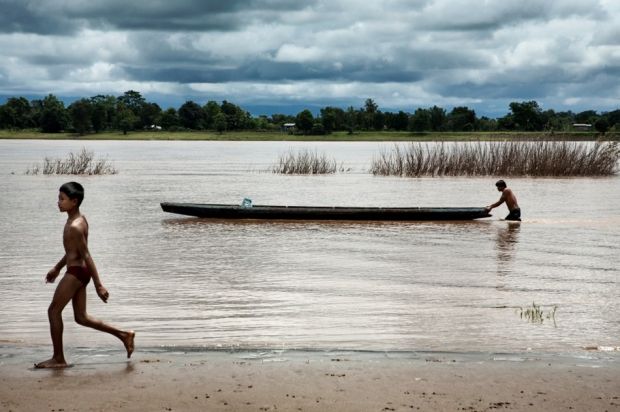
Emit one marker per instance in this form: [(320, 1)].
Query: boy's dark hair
[(500, 183), (73, 190)]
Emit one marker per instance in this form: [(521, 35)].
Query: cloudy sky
[(277, 56)]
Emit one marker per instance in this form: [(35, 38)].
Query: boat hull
[(221, 211)]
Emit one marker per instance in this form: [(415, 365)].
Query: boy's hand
[(102, 293), (52, 275)]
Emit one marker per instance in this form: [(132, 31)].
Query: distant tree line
[(131, 112)]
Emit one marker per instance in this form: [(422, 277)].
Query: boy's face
[(64, 203)]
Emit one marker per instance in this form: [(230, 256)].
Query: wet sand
[(220, 381)]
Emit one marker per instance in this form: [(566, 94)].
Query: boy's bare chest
[(70, 241)]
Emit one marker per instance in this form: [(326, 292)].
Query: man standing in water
[(80, 269), (511, 201)]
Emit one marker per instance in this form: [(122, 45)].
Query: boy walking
[(80, 269), (511, 201)]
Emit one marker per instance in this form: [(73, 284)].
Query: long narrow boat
[(219, 211)]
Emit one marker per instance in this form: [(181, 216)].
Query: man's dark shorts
[(514, 214)]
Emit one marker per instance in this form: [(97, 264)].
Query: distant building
[(582, 126), (288, 127)]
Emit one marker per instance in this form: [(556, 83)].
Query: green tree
[(527, 116), (558, 121), (328, 119), (236, 117), (438, 119), (81, 112), (601, 125), (370, 106), (613, 118), (333, 118), (191, 115), (462, 119), (588, 116), (263, 123), (219, 122), (133, 100), (125, 118), (104, 112), (351, 120), (150, 114), (378, 121), (370, 114), (317, 128), (54, 117), (304, 121), (17, 114), (169, 119), (397, 121), (7, 117), (506, 123), (420, 120), (486, 124), (211, 110)]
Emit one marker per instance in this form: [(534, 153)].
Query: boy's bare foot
[(51, 364), (128, 342)]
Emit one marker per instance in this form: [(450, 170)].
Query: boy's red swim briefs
[(80, 272)]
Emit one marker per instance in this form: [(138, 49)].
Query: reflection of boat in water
[(219, 211)]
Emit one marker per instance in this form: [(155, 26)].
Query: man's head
[(73, 190), (501, 185)]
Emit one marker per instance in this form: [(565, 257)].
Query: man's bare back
[(511, 200)]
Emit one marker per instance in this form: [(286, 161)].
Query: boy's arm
[(55, 271), (82, 247)]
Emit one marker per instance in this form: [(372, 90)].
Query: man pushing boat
[(511, 201)]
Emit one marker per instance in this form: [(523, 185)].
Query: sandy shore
[(306, 381)]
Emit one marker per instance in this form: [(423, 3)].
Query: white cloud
[(298, 54)]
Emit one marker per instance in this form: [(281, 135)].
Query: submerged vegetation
[(305, 162), (512, 158), (535, 314), (81, 163)]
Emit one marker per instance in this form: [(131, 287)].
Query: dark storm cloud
[(65, 17), (29, 16), (269, 71), (488, 16)]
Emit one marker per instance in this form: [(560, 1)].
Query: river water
[(427, 286)]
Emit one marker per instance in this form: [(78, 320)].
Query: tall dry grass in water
[(305, 162), (82, 163), (548, 158)]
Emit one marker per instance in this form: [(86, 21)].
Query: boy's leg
[(65, 290), (82, 318)]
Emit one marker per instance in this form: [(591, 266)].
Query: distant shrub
[(546, 158), (82, 163)]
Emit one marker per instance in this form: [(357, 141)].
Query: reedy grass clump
[(536, 314), (305, 162), (516, 158), (81, 163)]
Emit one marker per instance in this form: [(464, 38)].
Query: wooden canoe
[(221, 211)]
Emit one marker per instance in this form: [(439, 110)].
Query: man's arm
[(79, 238), (501, 200), (55, 271)]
